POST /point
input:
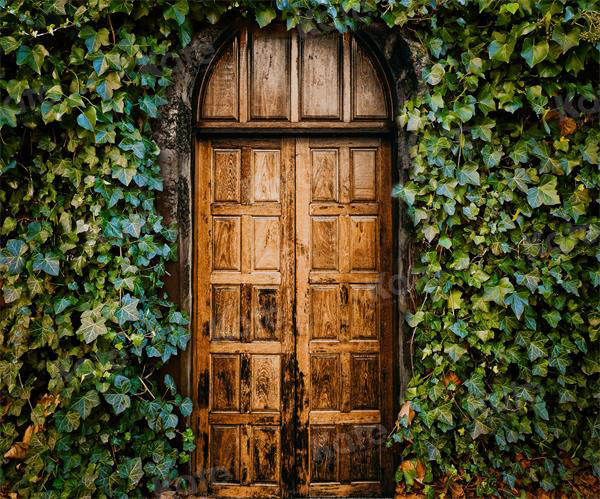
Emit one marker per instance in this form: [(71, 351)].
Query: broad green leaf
[(434, 75), (8, 114), (455, 351), (47, 263), (534, 53), (84, 404), (66, 423), (13, 255), (92, 326), (170, 384), (87, 119), (566, 41), (468, 175), (498, 292), (545, 193), (128, 310), (501, 51), (535, 350), (186, 407), (264, 16), (34, 58), (118, 401), (517, 302)]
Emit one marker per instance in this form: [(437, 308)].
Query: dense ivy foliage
[(503, 192), (503, 195)]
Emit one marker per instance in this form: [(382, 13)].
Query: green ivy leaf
[(128, 310), (12, 255), (498, 292), (186, 407), (434, 75), (87, 119), (534, 53), (119, 401), (84, 404), (92, 326), (178, 11), (544, 194), (265, 15), (33, 57), (8, 114), (517, 302), (47, 263)]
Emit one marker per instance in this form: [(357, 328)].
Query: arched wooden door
[(293, 318)]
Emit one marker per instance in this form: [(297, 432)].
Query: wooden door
[(288, 402), (244, 329), (344, 316), (293, 334)]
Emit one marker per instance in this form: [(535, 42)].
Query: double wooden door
[(293, 316)]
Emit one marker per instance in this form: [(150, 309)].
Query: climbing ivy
[(502, 192), (503, 195)]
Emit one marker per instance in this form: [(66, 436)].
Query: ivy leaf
[(544, 193), (476, 386), (12, 255), (534, 53), (47, 263), (178, 11), (553, 317), (170, 384), (133, 225), (468, 175), (8, 114), (535, 350), (87, 119), (128, 310), (480, 428), (66, 423), (61, 304), (34, 57), (413, 320), (444, 413), (459, 328), (9, 44), (520, 179), (541, 411), (566, 41), (118, 401), (186, 407), (93, 39), (497, 293), (435, 74), (132, 471), (517, 302), (84, 404), (499, 51), (264, 16), (455, 351), (92, 326)]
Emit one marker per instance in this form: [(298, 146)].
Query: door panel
[(343, 251), (245, 220), (293, 404)]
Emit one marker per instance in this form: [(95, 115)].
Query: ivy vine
[(502, 192)]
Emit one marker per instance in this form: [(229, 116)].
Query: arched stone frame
[(174, 133)]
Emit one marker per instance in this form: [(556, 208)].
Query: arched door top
[(276, 78)]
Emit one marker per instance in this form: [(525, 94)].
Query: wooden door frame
[(389, 133)]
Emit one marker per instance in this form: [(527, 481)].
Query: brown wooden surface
[(277, 78), (245, 280), (293, 334), (343, 318)]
